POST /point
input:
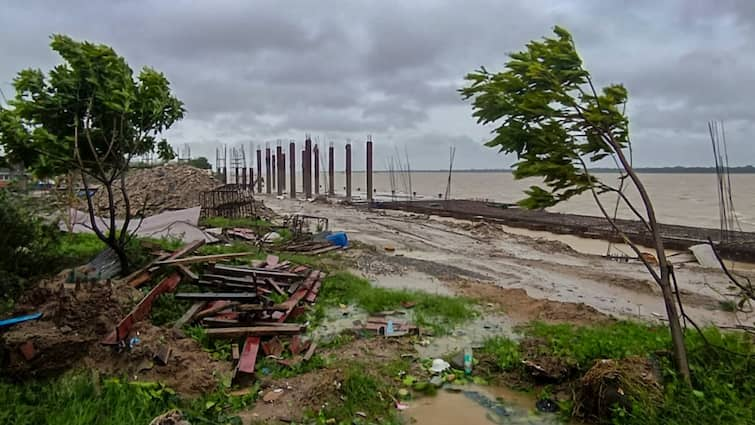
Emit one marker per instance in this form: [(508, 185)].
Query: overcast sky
[(259, 71)]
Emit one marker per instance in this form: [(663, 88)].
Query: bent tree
[(551, 116), (89, 116)]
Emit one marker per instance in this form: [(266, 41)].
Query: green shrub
[(504, 350)]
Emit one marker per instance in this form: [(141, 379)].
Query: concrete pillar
[(279, 160), (308, 168), (369, 170), (331, 171), (259, 171), (303, 172), (348, 171), (317, 169), (292, 168), (273, 173), (268, 188), (236, 173), (243, 178), (282, 166)]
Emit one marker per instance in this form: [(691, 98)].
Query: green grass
[(79, 248), (362, 391), (723, 388), (271, 368), (504, 351), (219, 349), (82, 399), (247, 223), (439, 312), (587, 344)]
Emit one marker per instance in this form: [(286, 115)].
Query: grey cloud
[(262, 70)]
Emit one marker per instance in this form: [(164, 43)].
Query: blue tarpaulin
[(19, 319)]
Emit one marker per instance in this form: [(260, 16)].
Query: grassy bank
[(80, 398), (723, 390)]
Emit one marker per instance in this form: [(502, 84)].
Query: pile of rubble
[(252, 305), (157, 189)]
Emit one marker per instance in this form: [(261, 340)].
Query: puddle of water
[(486, 407), (472, 334)]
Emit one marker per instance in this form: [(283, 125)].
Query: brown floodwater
[(686, 199), (455, 408)]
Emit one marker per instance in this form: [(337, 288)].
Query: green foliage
[(219, 349), (549, 116), (201, 163), (722, 392), (79, 248), (89, 116), (90, 100), (615, 341), (270, 367), (26, 243), (437, 311), (505, 352), (362, 391), (722, 387), (225, 223), (81, 399)]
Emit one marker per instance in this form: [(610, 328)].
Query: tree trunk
[(122, 258), (677, 334)]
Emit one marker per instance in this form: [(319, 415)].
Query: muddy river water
[(476, 405)]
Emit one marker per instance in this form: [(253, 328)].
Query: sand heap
[(164, 187)]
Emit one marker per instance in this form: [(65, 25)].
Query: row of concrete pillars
[(275, 171)]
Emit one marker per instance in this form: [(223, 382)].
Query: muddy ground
[(446, 255)]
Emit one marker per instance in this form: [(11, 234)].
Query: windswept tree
[(90, 117), (548, 112)]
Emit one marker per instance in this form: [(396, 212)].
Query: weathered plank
[(211, 296), (189, 315), (291, 329), (202, 258), (249, 355)]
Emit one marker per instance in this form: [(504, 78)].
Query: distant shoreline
[(749, 169)]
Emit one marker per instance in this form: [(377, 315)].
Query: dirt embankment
[(73, 323), (157, 189)]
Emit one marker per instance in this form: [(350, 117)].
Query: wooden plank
[(260, 307), (236, 332), (140, 279), (189, 315), (235, 351), (211, 296), (322, 250), (187, 273), (245, 271), (226, 285), (202, 258), (310, 351), (232, 279), (141, 311), (220, 323), (216, 307), (275, 286), (249, 355)]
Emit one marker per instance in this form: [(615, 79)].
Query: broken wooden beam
[(290, 329), (216, 307), (212, 296), (202, 258), (187, 273), (189, 315), (246, 271), (249, 355), (141, 311)]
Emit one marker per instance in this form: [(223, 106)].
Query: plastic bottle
[(468, 360)]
